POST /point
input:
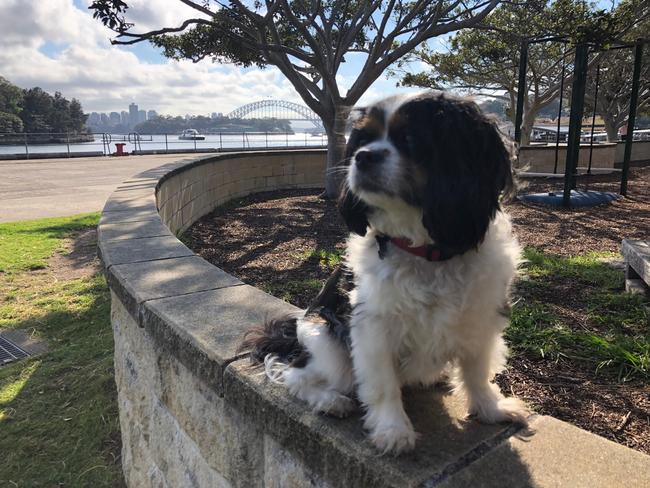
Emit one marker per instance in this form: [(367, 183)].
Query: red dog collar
[(429, 252)]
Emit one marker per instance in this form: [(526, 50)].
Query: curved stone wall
[(541, 158), (194, 414)]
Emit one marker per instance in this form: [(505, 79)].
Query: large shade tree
[(307, 40), (11, 98), (616, 68), (615, 88), (486, 60)]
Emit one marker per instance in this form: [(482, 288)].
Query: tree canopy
[(486, 60), (615, 76), (307, 40), (34, 110)]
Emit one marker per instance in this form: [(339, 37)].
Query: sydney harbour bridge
[(277, 109)]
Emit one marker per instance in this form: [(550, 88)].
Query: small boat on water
[(191, 135)]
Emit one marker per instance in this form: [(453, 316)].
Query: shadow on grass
[(28, 245), (58, 411)]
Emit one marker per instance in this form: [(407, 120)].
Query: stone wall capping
[(136, 202), (136, 283), (128, 216), (193, 412), (132, 230), (558, 454), (210, 322), (141, 250), (637, 259)]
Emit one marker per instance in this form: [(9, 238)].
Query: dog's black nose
[(365, 158)]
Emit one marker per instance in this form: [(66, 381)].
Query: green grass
[(326, 259), (587, 269), (27, 245), (290, 290), (58, 411), (615, 338)]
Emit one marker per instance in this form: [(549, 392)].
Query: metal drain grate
[(10, 352)]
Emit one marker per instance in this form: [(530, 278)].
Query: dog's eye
[(364, 137), (405, 143)]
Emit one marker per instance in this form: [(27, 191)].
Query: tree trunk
[(610, 128), (335, 151), (527, 120), (527, 126)]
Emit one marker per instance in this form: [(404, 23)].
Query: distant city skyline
[(127, 119)]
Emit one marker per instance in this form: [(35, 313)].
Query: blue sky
[(57, 45)]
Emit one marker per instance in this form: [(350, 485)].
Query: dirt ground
[(78, 258), (267, 240)]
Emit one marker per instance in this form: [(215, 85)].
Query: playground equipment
[(570, 196)]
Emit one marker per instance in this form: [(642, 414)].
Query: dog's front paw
[(391, 430), (501, 410), (394, 439)]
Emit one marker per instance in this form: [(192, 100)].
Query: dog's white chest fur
[(424, 307)]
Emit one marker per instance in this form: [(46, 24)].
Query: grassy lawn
[(58, 411), (575, 308)]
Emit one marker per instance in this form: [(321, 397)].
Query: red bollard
[(119, 146)]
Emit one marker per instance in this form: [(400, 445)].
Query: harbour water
[(105, 143)]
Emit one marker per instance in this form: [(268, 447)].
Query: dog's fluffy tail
[(277, 337)]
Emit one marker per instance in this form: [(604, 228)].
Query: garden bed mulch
[(580, 230), (268, 240)]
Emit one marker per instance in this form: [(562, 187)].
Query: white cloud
[(104, 78)]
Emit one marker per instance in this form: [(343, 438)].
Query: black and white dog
[(427, 272)]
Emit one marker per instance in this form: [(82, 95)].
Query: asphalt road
[(40, 188)]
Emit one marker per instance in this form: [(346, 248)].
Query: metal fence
[(35, 145)]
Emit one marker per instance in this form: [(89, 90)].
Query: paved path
[(58, 187)]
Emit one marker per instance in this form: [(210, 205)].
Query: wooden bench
[(637, 261)]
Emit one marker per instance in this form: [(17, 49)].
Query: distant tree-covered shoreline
[(36, 111), (167, 124)]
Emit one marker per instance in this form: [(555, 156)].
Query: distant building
[(142, 116), (152, 114), (124, 118), (216, 115), (104, 119), (93, 118), (115, 118), (133, 114)]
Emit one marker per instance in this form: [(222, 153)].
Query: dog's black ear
[(470, 168), (353, 210)]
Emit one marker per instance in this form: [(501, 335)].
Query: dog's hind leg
[(323, 377)]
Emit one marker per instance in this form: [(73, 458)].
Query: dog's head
[(428, 157)]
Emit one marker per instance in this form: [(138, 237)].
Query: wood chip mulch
[(267, 238), (580, 230)]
